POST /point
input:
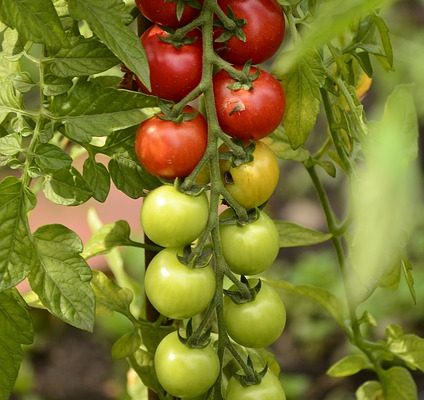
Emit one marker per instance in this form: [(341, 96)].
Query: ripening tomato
[(174, 71), (173, 219), (249, 114), (252, 184), (164, 12), (264, 31), (170, 149), (185, 372), (259, 322)]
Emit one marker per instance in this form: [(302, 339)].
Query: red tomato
[(174, 72), (168, 149), (249, 114), (264, 31), (164, 12)]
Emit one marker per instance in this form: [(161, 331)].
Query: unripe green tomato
[(268, 389), (185, 372), (259, 322), (173, 219), (176, 290), (252, 248)]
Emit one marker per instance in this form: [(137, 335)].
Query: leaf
[(97, 177), (153, 334), (36, 21), (321, 296), (126, 345), (16, 249), (106, 18), (66, 187), (407, 271), (142, 363), (51, 158), (301, 85), (385, 40), (84, 57), (370, 390), (61, 277), (16, 330), (10, 144), (280, 145), (398, 384), (349, 365), (293, 235), (90, 110)]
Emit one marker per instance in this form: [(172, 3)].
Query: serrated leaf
[(126, 345), (321, 296), (97, 177), (10, 144), (294, 235), (349, 365), (16, 330), (51, 158), (61, 277), (398, 384), (370, 390), (16, 250), (106, 19), (90, 110), (66, 187), (34, 20)]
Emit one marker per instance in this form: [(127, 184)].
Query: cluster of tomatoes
[(249, 104)]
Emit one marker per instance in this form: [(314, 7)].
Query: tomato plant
[(185, 372), (171, 149), (251, 112), (171, 218)]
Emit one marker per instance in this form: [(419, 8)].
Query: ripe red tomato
[(264, 31), (164, 12), (174, 71), (249, 114), (169, 149)]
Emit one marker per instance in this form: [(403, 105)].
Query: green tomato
[(185, 372), (252, 248), (259, 322), (173, 219), (176, 290), (269, 388)]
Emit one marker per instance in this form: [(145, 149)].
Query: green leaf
[(126, 345), (16, 249), (385, 40), (10, 144), (61, 277), (51, 158), (398, 384), (384, 195), (90, 110), (142, 363), (349, 365), (66, 187), (16, 330), (407, 271), (153, 334), (55, 86), (370, 390), (321, 296), (106, 19), (97, 177), (301, 85), (279, 143), (84, 57), (293, 235), (36, 21)]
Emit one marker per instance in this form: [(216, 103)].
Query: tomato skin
[(173, 219), (264, 31), (174, 72), (249, 114), (257, 323), (252, 248), (176, 290), (168, 149), (185, 372), (268, 389), (252, 184), (165, 13)]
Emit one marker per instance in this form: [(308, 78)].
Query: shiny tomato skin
[(249, 114), (268, 389), (173, 219), (185, 372), (169, 149), (264, 31), (252, 248), (259, 322), (174, 71), (176, 290), (252, 184), (165, 13)]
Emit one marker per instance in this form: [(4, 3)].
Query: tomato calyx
[(238, 297), (176, 41), (243, 79), (254, 377), (181, 5), (235, 159), (194, 340), (193, 258), (168, 114), (252, 215), (228, 33)]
